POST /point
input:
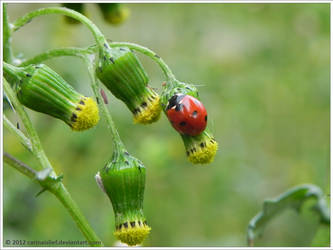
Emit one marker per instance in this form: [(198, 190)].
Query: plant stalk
[(7, 47), (99, 37), (60, 191)]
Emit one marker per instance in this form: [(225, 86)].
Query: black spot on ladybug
[(157, 56), (194, 114), (111, 59), (179, 107), (78, 109), (125, 225), (182, 123), (132, 223), (82, 102), (202, 144), (206, 118), (28, 75), (174, 100), (74, 117), (144, 104)]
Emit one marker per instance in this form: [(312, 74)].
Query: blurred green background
[(263, 72)]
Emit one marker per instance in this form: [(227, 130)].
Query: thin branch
[(20, 166), (10, 126)]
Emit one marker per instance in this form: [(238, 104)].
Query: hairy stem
[(99, 37), (7, 47)]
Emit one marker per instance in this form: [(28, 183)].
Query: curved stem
[(77, 52), (7, 46), (99, 37), (165, 68)]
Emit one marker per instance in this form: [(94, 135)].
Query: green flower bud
[(114, 13), (123, 180), (79, 7), (122, 73), (201, 148), (41, 89)]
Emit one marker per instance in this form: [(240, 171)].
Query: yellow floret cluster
[(150, 112), (85, 115), (203, 152), (132, 235)]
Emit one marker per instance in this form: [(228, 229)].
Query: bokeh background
[(263, 72)]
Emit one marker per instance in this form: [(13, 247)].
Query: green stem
[(20, 166), (118, 144), (32, 134), (65, 198), (24, 140), (77, 52), (7, 47), (99, 37), (59, 190), (165, 68)]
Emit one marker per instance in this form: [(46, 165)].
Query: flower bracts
[(122, 73), (123, 180)]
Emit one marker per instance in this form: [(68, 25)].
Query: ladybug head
[(174, 101)]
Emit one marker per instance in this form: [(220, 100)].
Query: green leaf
[(293, 198)]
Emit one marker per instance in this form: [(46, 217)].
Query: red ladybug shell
[(187, 114)]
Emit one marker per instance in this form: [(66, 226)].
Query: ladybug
[(187, 114)]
